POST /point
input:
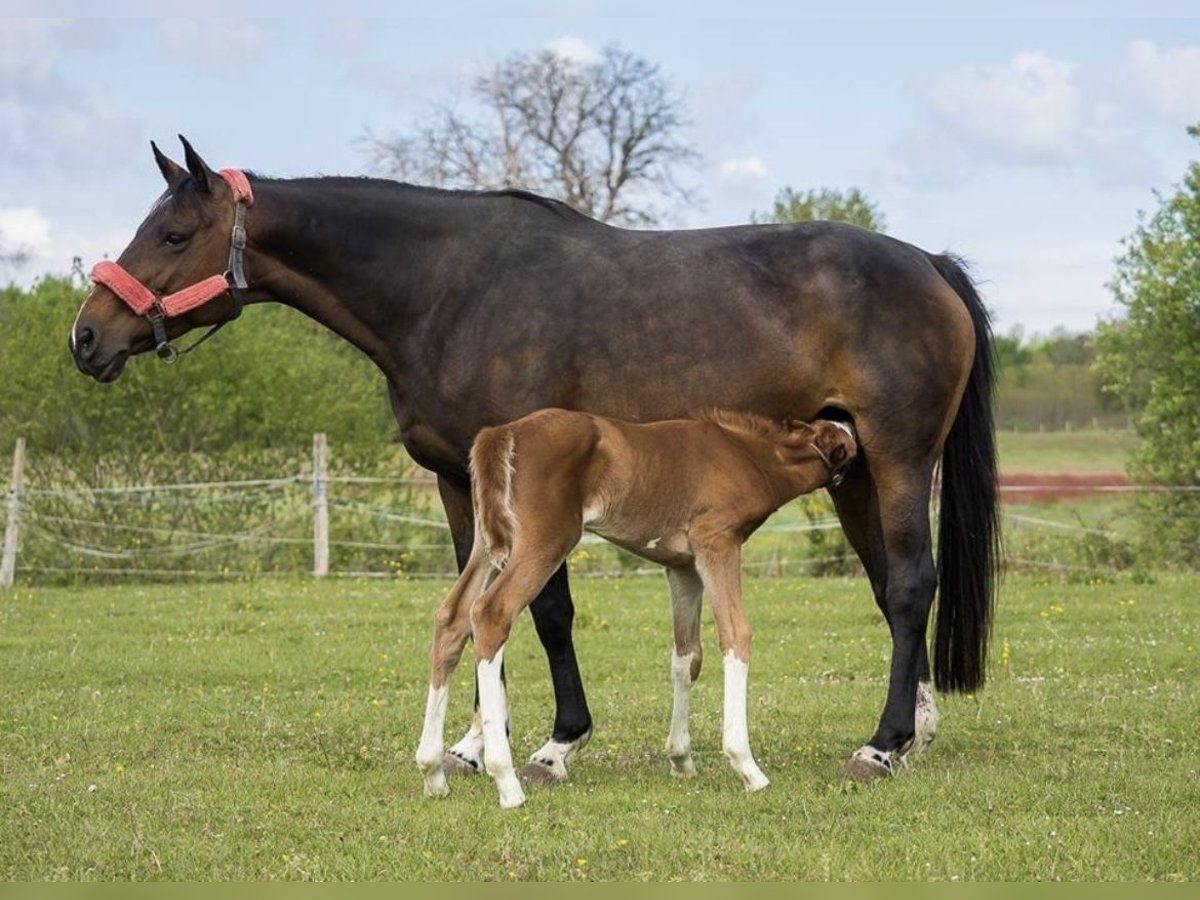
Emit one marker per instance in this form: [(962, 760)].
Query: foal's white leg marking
[(679, 741), (429, 751), (736, 741), (493, 709)]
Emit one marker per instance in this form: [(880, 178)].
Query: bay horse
[(482, 306), (685, 494)]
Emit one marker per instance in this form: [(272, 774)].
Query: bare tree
[(603, 136)]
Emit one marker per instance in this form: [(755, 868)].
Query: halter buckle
[(163, 348)]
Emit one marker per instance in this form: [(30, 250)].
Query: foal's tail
[(969, 534), (491, 489)]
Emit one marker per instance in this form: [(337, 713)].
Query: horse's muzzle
[(83, 345)]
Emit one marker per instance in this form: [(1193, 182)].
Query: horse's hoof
[(682, 766), (537, 771), (453, 764), (868, 764), (435, 784)]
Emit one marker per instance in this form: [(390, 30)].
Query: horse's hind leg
[(452, 627), (687, 594), (903, 551), (857, 506), (553, 612)]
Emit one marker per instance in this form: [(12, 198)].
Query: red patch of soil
[(1027, 487)]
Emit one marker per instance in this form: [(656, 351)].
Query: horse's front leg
[(687, 592), (719, 562)]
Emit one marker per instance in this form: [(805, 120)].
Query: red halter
[(142, 300)]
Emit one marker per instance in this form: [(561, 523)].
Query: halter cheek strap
[(143, 301)]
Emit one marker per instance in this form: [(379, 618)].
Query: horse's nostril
[(85, 342)]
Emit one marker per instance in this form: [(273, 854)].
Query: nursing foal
[(682, 493)]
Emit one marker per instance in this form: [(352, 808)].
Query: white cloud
[(1168, 81), (228, 41), (25, 229), (1039, 111), (574, 50), (46, 123), (1030, 110), (29, 45), (745, 167)]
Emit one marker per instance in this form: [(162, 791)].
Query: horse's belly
[(667, 547)]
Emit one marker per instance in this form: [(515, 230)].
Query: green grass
[(265, 730), (1075, 452)]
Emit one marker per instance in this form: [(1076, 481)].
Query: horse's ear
[(198, 168), (172, 172)]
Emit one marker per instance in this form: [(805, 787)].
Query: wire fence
[(68, 524)]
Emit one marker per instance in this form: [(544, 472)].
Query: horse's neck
[(787, 478), (350, 254)]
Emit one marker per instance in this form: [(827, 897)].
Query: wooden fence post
[(320, 508), (8, 560)]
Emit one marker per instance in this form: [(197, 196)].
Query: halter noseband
[(157, 310)]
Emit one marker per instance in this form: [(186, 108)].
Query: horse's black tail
[(969, 533)]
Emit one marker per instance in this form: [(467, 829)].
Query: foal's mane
[(748, 423)]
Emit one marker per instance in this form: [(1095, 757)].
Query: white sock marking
[(493, 710), (736, 740), (429, 751), (679, 741)]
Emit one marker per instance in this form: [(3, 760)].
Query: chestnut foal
[(682, 493)]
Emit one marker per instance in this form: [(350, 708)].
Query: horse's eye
[(174, 238)]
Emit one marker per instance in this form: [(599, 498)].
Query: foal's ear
[(836, 443), (172, 171), (197, 167)]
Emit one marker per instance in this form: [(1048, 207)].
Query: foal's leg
[(857, 504), (719, 562), (465, 757), (451, 628), (491, 623), (687, 594)]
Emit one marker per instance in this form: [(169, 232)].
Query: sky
[(1027, 145)]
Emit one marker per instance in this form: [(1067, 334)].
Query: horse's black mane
[(555, 206)]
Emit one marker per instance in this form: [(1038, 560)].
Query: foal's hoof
[(538, 771), (868, 764), (453, 764)]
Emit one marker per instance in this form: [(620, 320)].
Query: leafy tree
[(200, 405), (1150, 358), (604, 136), (1013, 356), (851, 206)]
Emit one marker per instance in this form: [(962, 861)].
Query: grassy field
[(265, 730), (1076, 452)]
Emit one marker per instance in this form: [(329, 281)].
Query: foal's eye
[(174, 238)]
